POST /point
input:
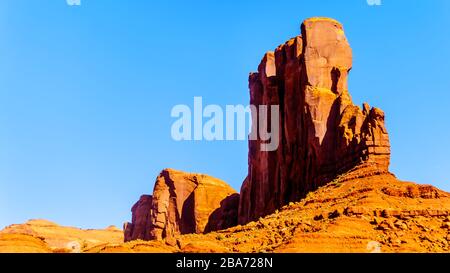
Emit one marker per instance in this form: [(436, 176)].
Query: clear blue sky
[(86, 92)]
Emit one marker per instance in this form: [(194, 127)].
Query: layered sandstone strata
[(58, 238), (322, 133), (183, 203)]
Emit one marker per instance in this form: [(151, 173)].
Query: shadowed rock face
[(141, 219), (183, 203), (322, 133)]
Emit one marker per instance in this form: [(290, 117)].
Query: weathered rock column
[(322, 133)]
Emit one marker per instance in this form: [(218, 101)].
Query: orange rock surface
[(322, 133), (183, 203), (22, 243), (57, 238), (139, 228), (361, 211), (326, 189)]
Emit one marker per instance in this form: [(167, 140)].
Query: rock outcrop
[(60, 238), (22, 243), (183, 203), (140, 220), (360, 211), (333, 153), (357, 212), (322, 133)]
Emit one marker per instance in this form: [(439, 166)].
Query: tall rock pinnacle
[(322, 133)]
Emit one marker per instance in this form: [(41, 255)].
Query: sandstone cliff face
[(140, 220), (322, 133), (183, 203), (57, 238)]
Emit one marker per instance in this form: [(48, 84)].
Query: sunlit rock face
[(183, 203), (322, 133)]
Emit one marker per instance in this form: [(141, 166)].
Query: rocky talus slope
[(356, 212), (360, 211)]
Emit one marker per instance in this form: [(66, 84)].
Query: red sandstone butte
[(322, 133), (138, 228), (183, 203)]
